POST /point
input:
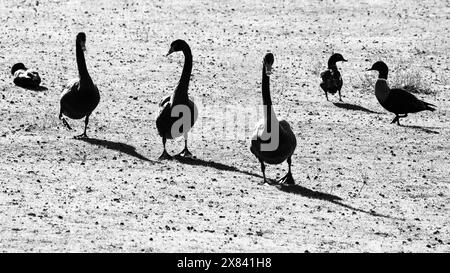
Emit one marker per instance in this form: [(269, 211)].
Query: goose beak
[(170, 51), (370, 69), (344, 60)]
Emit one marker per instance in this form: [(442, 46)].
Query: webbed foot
[(165, 156), (287, 179)]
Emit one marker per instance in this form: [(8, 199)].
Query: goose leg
[(395, 119), (185, 152), (287, 179), (86, 122), (61, 117), (263, 170), (324, 90), (165, 155), (398, 120)]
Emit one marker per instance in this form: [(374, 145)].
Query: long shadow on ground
[(37, 89), (354, 107), (295, 189), (305, 192), (424, 129), (212, 164), (117, 146)]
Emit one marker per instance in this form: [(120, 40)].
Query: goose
[(331, 78), (168, 119), (398, 101), (24, 77), (80, 96), (265, 132)]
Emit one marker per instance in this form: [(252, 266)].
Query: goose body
[(285, 149), (177, 113), (79, 96), (397, 101), (24, 77), (266, 132), (331, 78)]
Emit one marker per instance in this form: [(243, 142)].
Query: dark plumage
[(80, 96), (331, 78), (24, 77), (398, 101), (265, 130), (170, 121)]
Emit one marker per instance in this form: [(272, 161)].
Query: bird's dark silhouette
[(397, 101), (331, 78), (80, 96), (177, 107)]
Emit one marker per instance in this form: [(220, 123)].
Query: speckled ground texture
[(362, 184)]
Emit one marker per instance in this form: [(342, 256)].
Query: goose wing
[(286, 145), (331, 80), (401, 102), (288, 141), (71, 85), (164, 101)]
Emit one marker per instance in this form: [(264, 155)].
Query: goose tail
[(429, 106)]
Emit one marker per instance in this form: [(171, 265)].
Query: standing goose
[(331, 78), (266, 129), (398, 101), (80, 96), (172, 108)]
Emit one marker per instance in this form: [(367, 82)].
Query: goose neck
[(81, 63), (267, 100), (187, 69)]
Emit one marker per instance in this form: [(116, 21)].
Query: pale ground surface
[(110, 193)]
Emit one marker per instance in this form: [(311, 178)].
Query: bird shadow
[(308, 193), (212, 164), (40, 88), (297, 189), (349, 106), (424, 129), (117, 146)]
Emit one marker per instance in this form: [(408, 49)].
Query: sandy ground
[(362, 184)]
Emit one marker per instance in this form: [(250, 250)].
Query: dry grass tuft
[(412, 81)]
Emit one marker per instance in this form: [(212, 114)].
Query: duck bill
[(170, 52)]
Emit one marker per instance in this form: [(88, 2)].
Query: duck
[(177, 112), (273, 140), (331, 78), (24, 77), (397, 101), (80, 96)]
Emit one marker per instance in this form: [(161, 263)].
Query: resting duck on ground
[(24, 77), (177, 113), (268, 146), (398, 101), (80, 96), (331, 78)]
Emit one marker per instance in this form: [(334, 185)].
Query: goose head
[(17, 66), (268, 62), (81, 39), (382, 69), (177, 45), (336, 57)]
